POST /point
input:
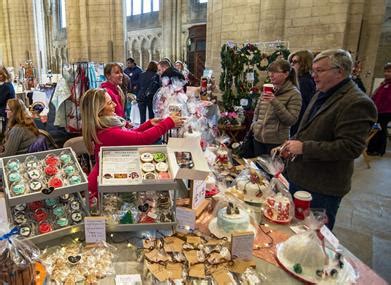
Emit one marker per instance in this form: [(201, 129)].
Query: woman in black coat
[(6, 92), (301, 61), (149, 83)]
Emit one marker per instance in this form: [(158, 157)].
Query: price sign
[(186, 219), (242, 245), (95, 229)]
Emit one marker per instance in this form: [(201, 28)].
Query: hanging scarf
[(113, 121)]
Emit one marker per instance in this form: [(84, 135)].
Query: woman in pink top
[(114, 75), (102, 127)]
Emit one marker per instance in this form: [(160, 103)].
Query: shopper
[(102, 127), (114, 76), (166, 70), (331, 134), (6, 92), (133, 71), (189, 77), (21, 130), (382, 99), (149, 83), (301, 61), (276, 112)]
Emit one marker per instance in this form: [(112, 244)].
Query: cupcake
[(148, 167), (20, 219), (19, 189), (21, 207), (75, 179), (146, 157), (25, 230), (31, 162), (52, 160), (51, 170), (69, 170), (51, 202), (65, 158), (13, 165), (14, 177), (164, 175), (159, 157), (35, 185), (149, 176), (55, 182), (44, 228), (76, 217), (75, 205), (33, 173), (62, 222), (59, 211), (162, 167)]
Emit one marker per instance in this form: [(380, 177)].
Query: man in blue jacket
[(133, 71)]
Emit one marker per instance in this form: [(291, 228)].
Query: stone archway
[(145, 58), (155, 49)]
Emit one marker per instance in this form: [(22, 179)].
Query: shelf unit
[(12, 200), (143, 186)]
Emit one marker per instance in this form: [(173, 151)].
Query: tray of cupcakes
[(154, 165), (41, 175), (57, 215)]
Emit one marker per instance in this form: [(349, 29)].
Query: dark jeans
[(378, 143), (143, 110), (330, 203), (263, 148)]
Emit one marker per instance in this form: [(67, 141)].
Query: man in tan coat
[(331, 134)]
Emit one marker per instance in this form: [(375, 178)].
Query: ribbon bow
[(11, 233)]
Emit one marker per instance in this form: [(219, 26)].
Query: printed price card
[(242, 245), (95, 229), (186, 219)]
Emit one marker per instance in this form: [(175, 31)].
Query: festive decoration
[(241, 67)]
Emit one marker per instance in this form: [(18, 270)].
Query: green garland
[(236, 63)]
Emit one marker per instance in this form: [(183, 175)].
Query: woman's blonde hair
[(91, 105), (5, 73), (20, 117)]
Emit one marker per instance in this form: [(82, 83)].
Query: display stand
[(142, 185), (12, 200)]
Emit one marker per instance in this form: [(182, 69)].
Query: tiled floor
[(364, 219)]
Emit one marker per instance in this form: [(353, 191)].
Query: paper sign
[(243, 102), (242, 245), (186, 219), (120, 167), (131, 279), (199, 188), (250, 76), (329, 236), (95, 229)]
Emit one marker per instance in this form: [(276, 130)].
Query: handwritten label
[(242, 245), (186, 219), (199, 188), (130, 279), (329, 236), (95, 229)]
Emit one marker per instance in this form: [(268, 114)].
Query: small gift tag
[(329, 236), (191, 256), (174, 270), (221, 275), (159, 271), (197, 271), (194, 240), (173, 244), (242, 245), (240, 266)]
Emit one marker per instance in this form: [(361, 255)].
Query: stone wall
[(306, 24), (17, 42)]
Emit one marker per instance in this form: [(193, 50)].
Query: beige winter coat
[(272, 120)]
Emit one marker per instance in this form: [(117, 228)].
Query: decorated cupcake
[(148, 167), (51, 170), (76, 217), (146, 157), (14, 177), (55, 182), (52, 160), (35, 185), (159, 157), (62, 222), (18, 188), (164, 175), (44, 228), (13, 165), (149, 176), (75, 179), (51, 202), (65, 158), (31, 162), (34, 173), (69, 170), (161, 167)]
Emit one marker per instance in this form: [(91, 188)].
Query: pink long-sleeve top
[(115, 94), (117, 136)]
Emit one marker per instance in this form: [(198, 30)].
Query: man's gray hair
[(338, 58)]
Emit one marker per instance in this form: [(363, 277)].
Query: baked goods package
[(278, 205), (17, 257), (311, 258)]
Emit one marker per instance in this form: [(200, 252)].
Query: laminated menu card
[(120, 167)]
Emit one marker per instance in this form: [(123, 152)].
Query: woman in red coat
[(114, 75), (102, 127)]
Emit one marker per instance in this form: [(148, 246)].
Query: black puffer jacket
[(149, 83)]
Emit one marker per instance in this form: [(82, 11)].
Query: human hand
[(294, 147), (268, 97), (155, 121), (178, 121)]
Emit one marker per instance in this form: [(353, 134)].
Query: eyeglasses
[(318, 71)]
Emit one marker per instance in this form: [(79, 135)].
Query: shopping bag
[(246, 149)]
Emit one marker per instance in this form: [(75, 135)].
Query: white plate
[(220, 233), (346, 275)]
